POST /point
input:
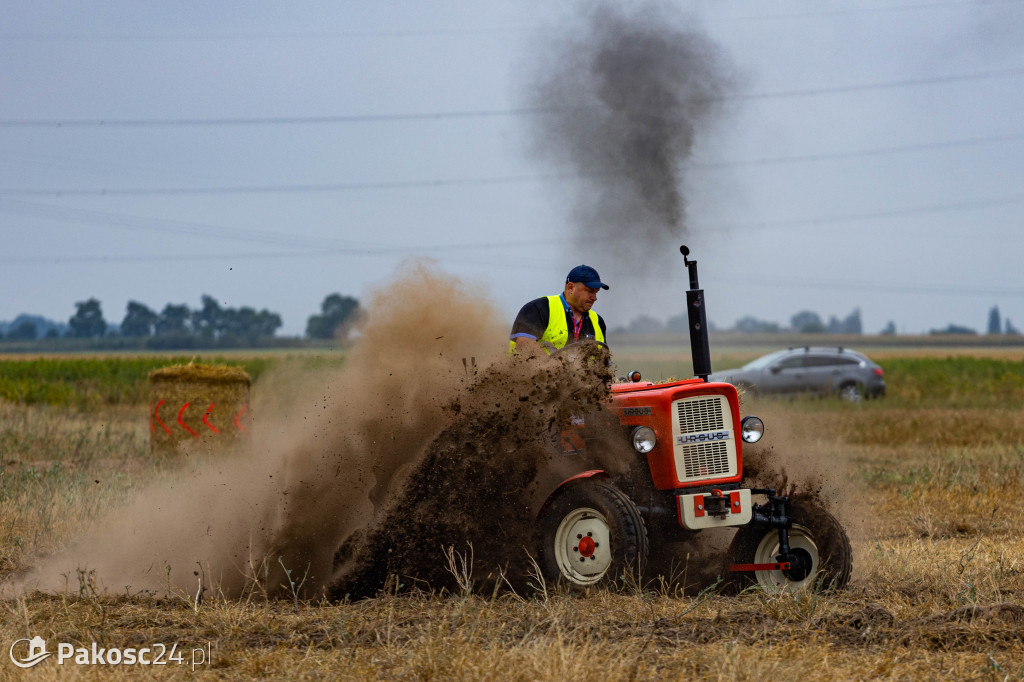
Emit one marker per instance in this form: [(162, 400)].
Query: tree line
[(807, 322), (179, 326), (804, 322)]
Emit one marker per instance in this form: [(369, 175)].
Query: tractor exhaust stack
[(696, 313)]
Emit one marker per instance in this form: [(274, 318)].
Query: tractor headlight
[(644, 439), (752, 428)]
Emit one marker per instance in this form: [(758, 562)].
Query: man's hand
[(528, 348)]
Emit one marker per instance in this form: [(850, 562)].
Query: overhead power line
[(269, 120), (284, 189), (530, 261), (327, 246), (481, 113), (888, 8), (950, 207), (882, 9), (494, 180), (860, 153), (134, 223), (731, 279)]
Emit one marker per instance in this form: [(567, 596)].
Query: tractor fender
[(572, 480)]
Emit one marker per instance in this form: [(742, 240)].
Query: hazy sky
[(859, 154)]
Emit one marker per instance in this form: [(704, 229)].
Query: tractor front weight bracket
[(774, 513)]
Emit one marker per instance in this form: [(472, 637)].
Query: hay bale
[(207, 404)]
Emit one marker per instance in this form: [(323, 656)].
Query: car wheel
[(825, 559), (592, 533), (851, 393)]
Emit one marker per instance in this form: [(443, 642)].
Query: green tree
[(138, 320), (336, 312), (24, 331), (807, 322), (173, 321), (87, 322), (952, 329), (267, 323), (645, 324), (208, 321), (248, 324), (752, 325), (678, 323), (850, 325), (995, 324)]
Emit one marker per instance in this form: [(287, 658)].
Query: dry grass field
[(928, 485)]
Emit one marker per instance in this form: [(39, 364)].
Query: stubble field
[(927, 481)]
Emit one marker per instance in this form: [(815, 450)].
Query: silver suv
[(827, 371)]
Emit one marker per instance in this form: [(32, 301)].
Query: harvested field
[(926, 487)]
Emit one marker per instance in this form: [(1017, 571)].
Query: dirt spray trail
[(479, 487), (328, 452)]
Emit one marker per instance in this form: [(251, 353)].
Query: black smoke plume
[(629, 91)]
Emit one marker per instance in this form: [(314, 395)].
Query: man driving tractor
[(551, 322)]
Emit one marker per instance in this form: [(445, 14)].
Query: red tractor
[(687, 476)]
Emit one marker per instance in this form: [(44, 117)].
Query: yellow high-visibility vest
[(557, 333)]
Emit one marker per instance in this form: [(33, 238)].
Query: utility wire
[(271, 120), (951, 207), (484, 113), (135, 223), (859, 153), (445, 32), (500, 180), (545, 177), (335, 247), (882, 9), (730, 279), (123, 221), (285, 189)]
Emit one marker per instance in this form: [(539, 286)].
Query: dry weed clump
[(60, 470)]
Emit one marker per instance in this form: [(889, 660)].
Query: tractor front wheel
[(592, 533), (817, 541)]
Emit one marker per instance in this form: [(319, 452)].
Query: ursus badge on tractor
[(687, 437)]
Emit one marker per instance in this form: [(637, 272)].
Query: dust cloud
[(627, 91), (429, 437), (796, 457), (328, 449)]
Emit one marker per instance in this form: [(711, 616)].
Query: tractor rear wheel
[(592, 533), (816, 539)]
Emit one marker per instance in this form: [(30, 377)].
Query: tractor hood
[(650, 385)]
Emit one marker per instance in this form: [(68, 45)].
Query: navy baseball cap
[(584, 274)]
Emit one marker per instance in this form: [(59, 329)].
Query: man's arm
[(529, 326)]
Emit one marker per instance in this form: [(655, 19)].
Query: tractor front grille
[(704, 439), (699, 414), (705, 459)]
